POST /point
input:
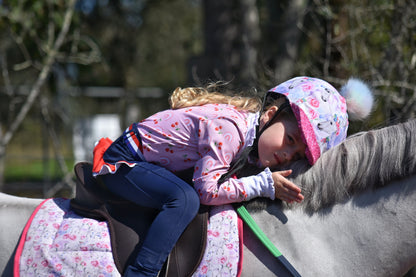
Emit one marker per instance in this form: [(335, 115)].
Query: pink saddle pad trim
[(241, 245), (19, 250)]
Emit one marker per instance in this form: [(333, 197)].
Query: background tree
[(371, 40), (36, 35), (231, 36)]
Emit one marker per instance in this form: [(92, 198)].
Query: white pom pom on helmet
[(359, 99), (321, 111)]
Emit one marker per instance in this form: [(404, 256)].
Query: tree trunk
[(231, 30), (287, 37), (2, 163)]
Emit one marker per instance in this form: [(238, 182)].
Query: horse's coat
[(373, 234), (357, 219)]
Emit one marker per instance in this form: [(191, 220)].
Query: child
[(301, 118)]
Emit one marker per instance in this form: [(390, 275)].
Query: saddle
[(128, 224)]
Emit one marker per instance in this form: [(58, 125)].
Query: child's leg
[(154, 186)]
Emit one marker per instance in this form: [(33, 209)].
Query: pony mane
[(367, 160)]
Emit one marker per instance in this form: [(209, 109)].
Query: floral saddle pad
[(58, 242)]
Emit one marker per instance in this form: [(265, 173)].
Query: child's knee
[(189, 201), (193, 199)]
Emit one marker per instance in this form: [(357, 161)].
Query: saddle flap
[(86, 192), (188, 251)]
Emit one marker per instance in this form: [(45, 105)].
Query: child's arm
[(219, 142), (233, 190), (285, 189)]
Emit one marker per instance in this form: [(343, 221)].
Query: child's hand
[(284, 189)]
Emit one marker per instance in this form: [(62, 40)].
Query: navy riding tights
[(153, 186)]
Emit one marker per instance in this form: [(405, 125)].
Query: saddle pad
[(224, 251), (58, 242)]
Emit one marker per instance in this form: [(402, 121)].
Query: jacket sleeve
[(219, 143)]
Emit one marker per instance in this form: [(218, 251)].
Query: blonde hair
[(198, 96)]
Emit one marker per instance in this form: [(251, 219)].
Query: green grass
[(24, 154), (34, 170)]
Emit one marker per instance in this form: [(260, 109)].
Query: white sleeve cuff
[(260, 185)]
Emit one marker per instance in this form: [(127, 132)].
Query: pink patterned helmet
[(320, 110)]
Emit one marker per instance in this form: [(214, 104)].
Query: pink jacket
[(207, 138)]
